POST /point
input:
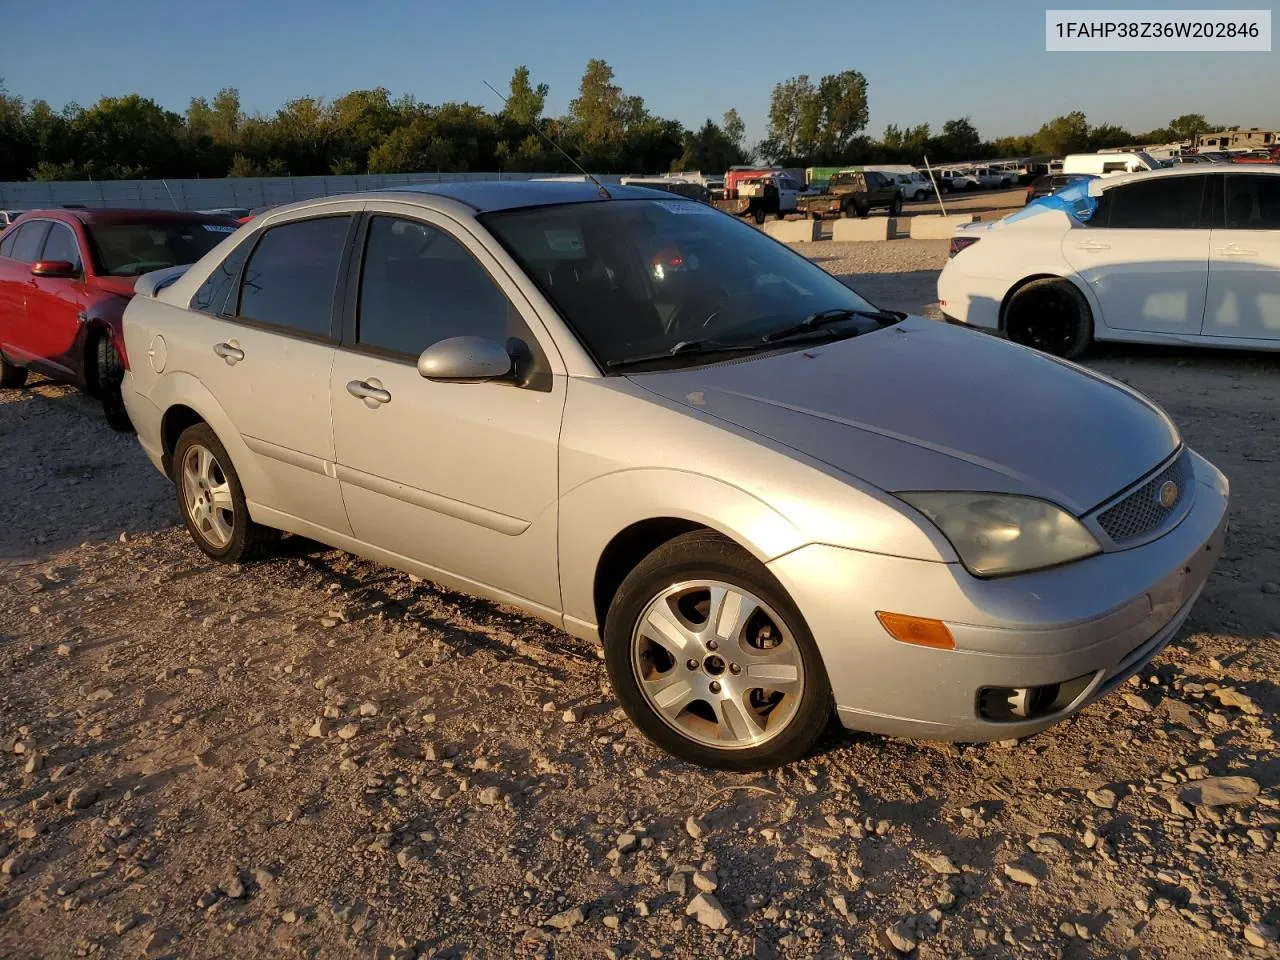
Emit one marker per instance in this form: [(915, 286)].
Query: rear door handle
[(229, 351), (370, 391), (1092, 245), (1234, 251)]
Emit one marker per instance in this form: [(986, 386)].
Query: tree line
[(605, 129)]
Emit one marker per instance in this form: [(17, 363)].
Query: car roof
[(1180, 170), (98, 215), (484, 196)]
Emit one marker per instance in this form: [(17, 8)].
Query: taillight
[(960, 243)]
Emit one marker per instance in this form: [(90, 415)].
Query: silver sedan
[(633, 416)]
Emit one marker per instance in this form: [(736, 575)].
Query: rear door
[(1145, 255), (264, 348), (18, 250), (1244, 260), (56, 305)]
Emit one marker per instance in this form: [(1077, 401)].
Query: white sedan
[(1187, 255)]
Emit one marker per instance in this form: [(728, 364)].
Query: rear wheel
[(758, 215), (920, 195), (1050, 315), (711, 659), (895, 206), (212, 501), (107, 378), (12, 376)]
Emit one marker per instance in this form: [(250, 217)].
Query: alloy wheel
[(206, 495), (717, 664)]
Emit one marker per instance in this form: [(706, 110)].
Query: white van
[(1109, 164)]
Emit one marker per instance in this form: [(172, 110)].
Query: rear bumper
[(972, 301), (146, 418), (1082, 628)]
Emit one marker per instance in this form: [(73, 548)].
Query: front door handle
[(370, 391), (229, 351), (1092, 245)]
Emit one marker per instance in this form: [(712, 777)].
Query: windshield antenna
[(538, 130)]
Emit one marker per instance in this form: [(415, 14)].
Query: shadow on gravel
[(914, 291)]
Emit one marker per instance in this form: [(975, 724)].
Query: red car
[(65, 278)]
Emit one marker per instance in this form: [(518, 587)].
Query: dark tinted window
[(6, 243), (419, 286), (1253, 202), (132, 249), (26, 246), (290, 277), (212, 295), (1171, 203), (62, 245)]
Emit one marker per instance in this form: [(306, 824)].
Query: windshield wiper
[(823, 317), (684, 347)]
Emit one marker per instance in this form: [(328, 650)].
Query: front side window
[(29, 240), (132, 249), (419, 285), (1161, 203), (635, 278), (1253, 202), (62, 245), (291, 275)]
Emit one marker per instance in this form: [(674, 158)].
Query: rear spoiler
[(149, 284)]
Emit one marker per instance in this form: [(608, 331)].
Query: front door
[(1244, 261), (19, 248), (460, 477), (1145, 255), (56, 305)]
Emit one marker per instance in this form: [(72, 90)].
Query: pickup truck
[(853, 194), (757, 194)]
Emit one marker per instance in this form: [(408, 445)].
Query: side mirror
[(54, 268), (466, 360)]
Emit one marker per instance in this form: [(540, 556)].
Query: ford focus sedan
[(651, 425)]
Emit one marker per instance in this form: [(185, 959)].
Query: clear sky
[(924, 62)]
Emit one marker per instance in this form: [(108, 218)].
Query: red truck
[(757, 192)]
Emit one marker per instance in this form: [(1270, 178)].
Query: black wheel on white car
[(212, 501), (710, 658), (1051, 315), (109, 374), (12, 376)]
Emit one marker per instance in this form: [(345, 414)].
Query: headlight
[(996, 534)]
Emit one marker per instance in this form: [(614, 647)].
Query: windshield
[(132, 249), (635, 278)]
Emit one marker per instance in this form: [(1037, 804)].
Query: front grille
[(1141, 511)]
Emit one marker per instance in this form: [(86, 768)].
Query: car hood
[(926, 406)]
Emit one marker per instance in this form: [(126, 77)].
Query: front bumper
[(1095, 622)]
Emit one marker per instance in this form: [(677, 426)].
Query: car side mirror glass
[(466, 360), (54, 268)]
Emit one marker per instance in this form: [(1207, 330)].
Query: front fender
[(592, 514)]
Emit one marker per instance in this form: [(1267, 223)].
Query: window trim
[(333, 337), (540, 371)]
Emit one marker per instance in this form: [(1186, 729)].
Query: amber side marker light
[(921, 631)]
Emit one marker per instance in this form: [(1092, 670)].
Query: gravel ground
[(316, 756)]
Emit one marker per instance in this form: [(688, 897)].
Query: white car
[(955, 181), (1189, 254)]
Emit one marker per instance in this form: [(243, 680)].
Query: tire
[(863, 210), (108, 375), (225, 533), (12, 376), (758, 215), (895, 207), (674, 585), (920, 195), (1050, 315)]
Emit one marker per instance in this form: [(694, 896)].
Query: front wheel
[(12, 376), (920, 195), (895, 206), (108, 376), (711, 659), (212, 500), (1050, 315)]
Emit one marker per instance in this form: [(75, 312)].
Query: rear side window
[(291, 275), (1253, 202), (418, 286), (62, 245), (1162, 203), (6, 244), (29, 240), (213, 293)]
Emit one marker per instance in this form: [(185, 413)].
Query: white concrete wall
[(872, 228), (792, 231), (937, 227)]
